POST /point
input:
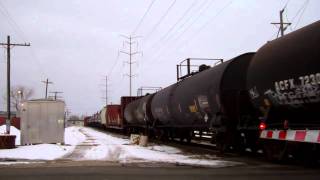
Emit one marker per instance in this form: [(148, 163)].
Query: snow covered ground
[(41, 151), (88, 144)]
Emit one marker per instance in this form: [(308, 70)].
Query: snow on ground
[(94, 145), (43, 151), (111, 148), (36, 152), (72, 136), (13, 131)]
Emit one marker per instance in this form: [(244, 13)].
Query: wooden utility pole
[(47, 82), (56, 94), (130, 62), (283, 25), (9, 45)]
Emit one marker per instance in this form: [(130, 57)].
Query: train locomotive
[(255, 99)]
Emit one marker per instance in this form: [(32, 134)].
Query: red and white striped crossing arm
[(310, 136)]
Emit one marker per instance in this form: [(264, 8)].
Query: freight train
[(270, 98)]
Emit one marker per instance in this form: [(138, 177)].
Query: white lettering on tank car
[(286, 92)]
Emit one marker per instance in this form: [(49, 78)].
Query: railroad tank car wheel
[(170, 134), (189, 136), (220, 142), (240, 143)]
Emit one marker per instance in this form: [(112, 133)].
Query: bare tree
[(19, 94)]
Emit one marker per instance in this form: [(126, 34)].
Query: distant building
[(75, 122)]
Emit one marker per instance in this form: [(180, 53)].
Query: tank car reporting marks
[(288, 84), (288, 92), (284, 85)]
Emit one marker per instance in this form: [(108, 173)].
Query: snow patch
[(72, 136), (88, 144), (115, 149), (13, 131), (17, 162), (36, 152), (43, 151)]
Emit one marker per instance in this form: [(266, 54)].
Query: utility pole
[(55, 94), (9, 45), (283, 25), (130, 62), (47, 82)]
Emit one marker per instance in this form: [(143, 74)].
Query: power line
[(177, 22), (195, 19), (206, 24), (304, 8), (114, 64), (21, 34), (160, 20), (202, 10), (141, 20), (209, 21), (13, 23)]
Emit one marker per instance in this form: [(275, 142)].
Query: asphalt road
[(93, 170)]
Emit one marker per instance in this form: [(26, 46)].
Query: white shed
[(42, 121)]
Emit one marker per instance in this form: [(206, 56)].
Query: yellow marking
[(193, 108)]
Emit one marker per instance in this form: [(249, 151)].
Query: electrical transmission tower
[(9, 45), (47, 82), (131, 53), (283, 25), (106, 92)]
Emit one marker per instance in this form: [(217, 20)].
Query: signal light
[(262, 126)]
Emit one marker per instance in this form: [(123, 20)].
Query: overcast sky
[(76, 43)]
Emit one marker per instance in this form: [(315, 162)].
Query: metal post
[(47, 88), (177, 72), (188, 66)]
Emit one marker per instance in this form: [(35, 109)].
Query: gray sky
[(75, 43)]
